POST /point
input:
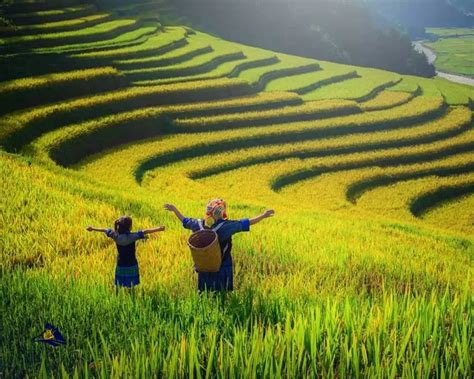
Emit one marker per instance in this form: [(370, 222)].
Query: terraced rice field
[(454, 50), (365, 271)]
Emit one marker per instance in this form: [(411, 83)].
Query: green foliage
[(454, 53), (340, 31), (36, 91), (365, 271)]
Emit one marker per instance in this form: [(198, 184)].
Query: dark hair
[(123, 225)]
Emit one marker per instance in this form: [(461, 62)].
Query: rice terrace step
[(111, 108)]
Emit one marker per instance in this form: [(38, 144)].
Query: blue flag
[(51, 336)]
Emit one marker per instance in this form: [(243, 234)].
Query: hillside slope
[(364, 271)]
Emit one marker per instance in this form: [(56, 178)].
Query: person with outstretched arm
[(216, 214), (126, 271)]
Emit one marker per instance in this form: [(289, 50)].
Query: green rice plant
[(50, 15), (287, 66), (387, 99), (98, 32), (308, 111), (57, 26), (326, 288), (330, 178), (455, 94), (299, 343), (410, 84), (395, 157), (450, 32), (67, 150), (446, 205), (230, 69), (20, 129), (54, 180), (329, 73), (255, 58), (39, 90), (418, 110), (34, 182), (300, 85), (366, 87), (170, 38), (404, 193), (179, 55), (94, 136), (141, 7), (258, 102), (278, 311), (134, 37), (454, 55), (226, 59), (458, 165), (298, 174), (452, 124), (196, 65), (281, 304), (432, 199)]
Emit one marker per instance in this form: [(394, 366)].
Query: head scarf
[(215, 210)]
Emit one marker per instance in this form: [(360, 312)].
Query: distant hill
[(415, 15), (341, 31), (465, 6)]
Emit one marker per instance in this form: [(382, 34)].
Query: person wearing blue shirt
[(126, 272), (216, 218)]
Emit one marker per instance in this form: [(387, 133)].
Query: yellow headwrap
[(215, 210)]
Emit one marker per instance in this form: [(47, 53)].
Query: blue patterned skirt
[(127, 276), (216, 281)]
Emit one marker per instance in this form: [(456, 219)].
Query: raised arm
[(154, 230), (266, 214), (172, 208), (93, 229)]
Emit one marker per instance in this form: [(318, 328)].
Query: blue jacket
[(224, 233)]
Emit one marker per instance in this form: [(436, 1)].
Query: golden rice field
[(366, 269)]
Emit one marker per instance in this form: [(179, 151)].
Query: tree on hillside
[(415, 15), (4, 21), (338, 30), (466, 6)]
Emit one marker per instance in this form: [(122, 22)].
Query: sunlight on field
[(365, 270)]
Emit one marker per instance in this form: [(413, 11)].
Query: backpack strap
[(225, 248), (201, 226), (218, 227)]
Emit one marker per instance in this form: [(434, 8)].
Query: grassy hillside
[(365, 271)]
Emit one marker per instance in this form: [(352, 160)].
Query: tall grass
[(157, 44), (248, 336), (327, 288), (21, 128), (101, 31), (39, 90)]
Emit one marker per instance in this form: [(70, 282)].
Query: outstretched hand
[(89, 228), (154, 230), (262, 216), (170, 207), (268, 213)]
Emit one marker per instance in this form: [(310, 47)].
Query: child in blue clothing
[(216, 218), (126, 271)]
